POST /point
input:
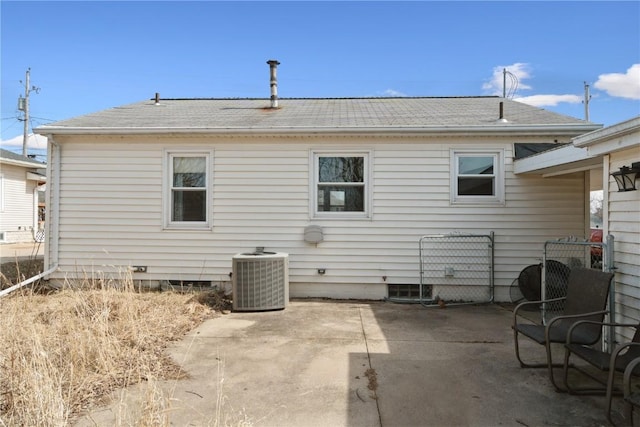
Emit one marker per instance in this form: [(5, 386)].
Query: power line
[(42, 118), (10, 126)]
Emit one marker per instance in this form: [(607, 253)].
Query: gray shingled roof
[(14, 158), (334, 114)]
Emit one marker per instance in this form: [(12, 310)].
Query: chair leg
[(517, 348), (628, 413), (565, 370), (610, 381), (522, 363), (550, 365)]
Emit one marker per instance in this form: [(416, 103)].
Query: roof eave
[(499, 129), (560, 161), (611, 132), (24, 164)]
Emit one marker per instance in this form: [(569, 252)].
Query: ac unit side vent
[(260, 282)]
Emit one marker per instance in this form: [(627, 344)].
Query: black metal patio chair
[(631, 395), (586, 299), (611, 362)]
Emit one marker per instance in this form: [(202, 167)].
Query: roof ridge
[(325, 98)]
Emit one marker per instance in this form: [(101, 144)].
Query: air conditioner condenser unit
[(260, 281)]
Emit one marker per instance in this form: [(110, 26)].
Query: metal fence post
[(608, 266)]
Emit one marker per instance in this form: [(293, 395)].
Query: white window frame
[(498, 173), (169, 155), (314, 181)]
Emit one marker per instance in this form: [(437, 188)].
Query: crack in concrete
[(371, 372)]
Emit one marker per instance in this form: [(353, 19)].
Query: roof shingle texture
[(11, 156), (324, 113)]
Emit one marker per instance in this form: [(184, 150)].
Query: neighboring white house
[(180, 186), (21, 181), (603, 152)]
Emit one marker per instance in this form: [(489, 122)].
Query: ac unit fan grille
[(260, 283)]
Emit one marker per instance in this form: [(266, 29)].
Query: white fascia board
[(24, 164), (612, 138), (36, 177), (566, 159), (499, 129)]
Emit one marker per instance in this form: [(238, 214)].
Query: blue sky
[(87, 56)]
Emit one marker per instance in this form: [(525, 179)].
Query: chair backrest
[(587, 291), (636, 336)]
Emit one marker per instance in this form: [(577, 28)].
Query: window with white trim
[(477, 177), (188, 191), (341, 185)]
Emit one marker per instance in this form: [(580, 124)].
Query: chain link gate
[(456, 269), (559, 257)]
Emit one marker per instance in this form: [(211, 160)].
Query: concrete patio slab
[(20, 251), (353, 363)]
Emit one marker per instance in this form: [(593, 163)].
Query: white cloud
[(393, 93), (548, 100), (519, 72), (34, 141), (621, 85)]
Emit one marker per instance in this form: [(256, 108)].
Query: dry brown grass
[(63, 352)]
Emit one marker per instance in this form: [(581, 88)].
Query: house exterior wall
[(624, 224), (110, 213), (17, 209)]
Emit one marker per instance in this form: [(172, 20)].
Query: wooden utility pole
[(23, 105), (587, 98)]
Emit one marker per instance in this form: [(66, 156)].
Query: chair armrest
[(619, 349), (594, 322), (577, 316), (526, 303), (626, 379)]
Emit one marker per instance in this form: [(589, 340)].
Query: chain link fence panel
[(456, 269)]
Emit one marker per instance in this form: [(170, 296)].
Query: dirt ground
[(13, 272)]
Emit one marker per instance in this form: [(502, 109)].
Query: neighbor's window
[(477, 177), (188, 198), (341, 184)]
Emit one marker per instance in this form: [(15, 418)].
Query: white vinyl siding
[(18, 206), (1, 193), (262, 188), (624, 225)]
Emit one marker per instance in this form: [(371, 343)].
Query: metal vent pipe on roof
[(273, 65), (501, 119)]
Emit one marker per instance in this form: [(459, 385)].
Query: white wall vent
[(260, 281)]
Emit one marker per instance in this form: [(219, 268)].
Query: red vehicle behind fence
[(596, 251)]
